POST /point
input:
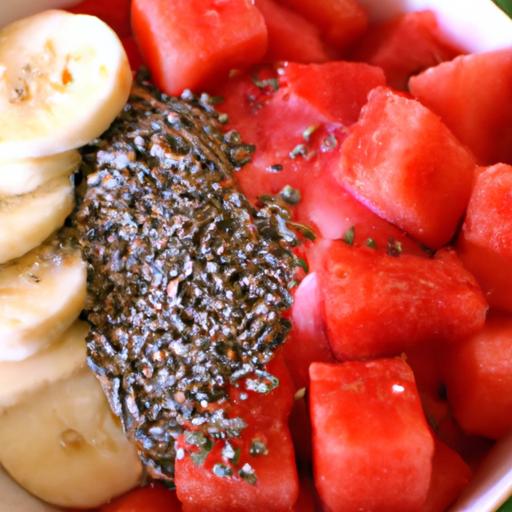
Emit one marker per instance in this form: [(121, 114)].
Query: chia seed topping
[(187, 280)]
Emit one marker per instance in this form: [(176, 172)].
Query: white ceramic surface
[(475, 25)]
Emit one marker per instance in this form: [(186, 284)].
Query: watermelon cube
[(307, 341), (341, 21), (376, 304), (270, 480), (404, 164), (307, 501), (300, 428), (372, 447), (195, 43), (485, 245), (473, 96), (266, 481), (307, 119), (343, 91), (405, 46), (275, 405), (290, 36), (478, 375), (450, 475), (116, 13)]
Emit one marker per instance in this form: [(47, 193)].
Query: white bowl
[(474, 25)]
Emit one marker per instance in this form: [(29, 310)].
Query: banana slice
[(63, 79), (64, 445), (41, 295), (15, 499), (27, 220), (26, 175), (20, 379)]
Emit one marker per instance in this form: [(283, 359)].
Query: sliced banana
[(15, 499), (26, 175), (20, 379), (63, 79), (27, 220), (41, 295), (66, 447)]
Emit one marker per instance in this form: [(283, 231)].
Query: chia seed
[(187, 281)]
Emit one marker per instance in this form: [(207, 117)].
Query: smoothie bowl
[(255, 255)]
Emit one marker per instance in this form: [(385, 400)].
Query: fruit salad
[(254, 257)]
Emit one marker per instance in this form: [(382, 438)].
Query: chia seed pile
[(187, 280)]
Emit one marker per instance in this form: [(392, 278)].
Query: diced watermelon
[(405, 46), (493, 272), (375, 304), (371, 444), (336, 90), (439, 415), (335, 213), (307, 341), (403, 163), (300, 428), (478, 375), (485, 244), (275, 405), (266, 416), (115, 13), (307, 497), (473, 449), (256, 112), (194, 43), (473, 95), (450, 475), (341, 21), (424, 361), (290, 36), (132, 51), (153, 498), (275, 490)]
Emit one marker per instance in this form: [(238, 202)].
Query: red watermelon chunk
[(132, 51), (255, 109), (300, 428), (485, 244), (307, 497), (294, 117), (405, 46), (336, 90), (115, 13), (194, 43), (371, 444), (404, 164), (341, 21), (478, 375), (275, 490), (336, 214), (450, 475), (307, 341), (275, 405), (276, 487), (290, 36), (375, 304), (425, 363), (473, 95)]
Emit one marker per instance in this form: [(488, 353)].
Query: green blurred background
[(506, 5), (507, 507)]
